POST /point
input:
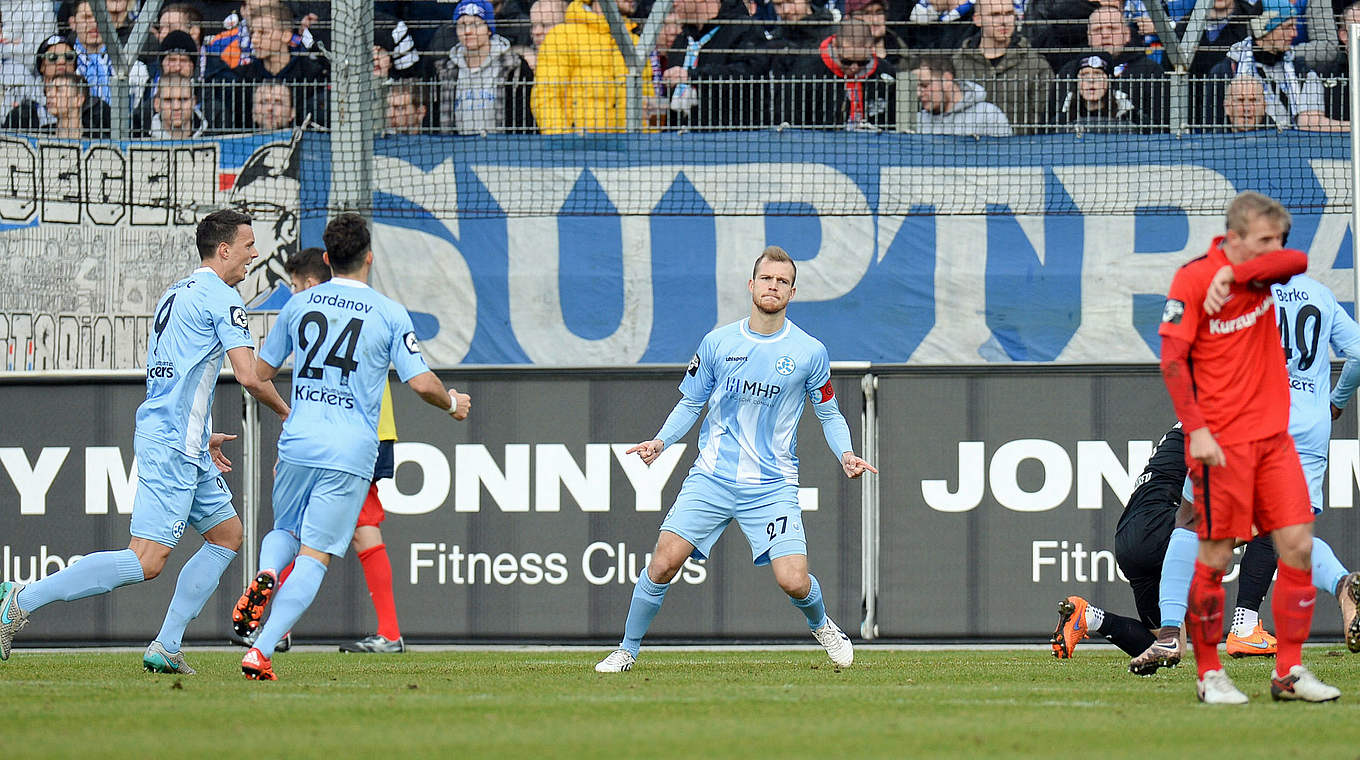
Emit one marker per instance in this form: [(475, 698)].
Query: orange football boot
[(1258, 644), (1071, 627), (245, 617), (257, 667)]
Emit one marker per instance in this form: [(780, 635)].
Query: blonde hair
[(775, 253), (1249, 205)]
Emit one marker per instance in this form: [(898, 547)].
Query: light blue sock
[(278, 550), (811, 605), (1178, 569), (647, 598), (97, 573), (197, 581), (1327, 569), (293, 599)]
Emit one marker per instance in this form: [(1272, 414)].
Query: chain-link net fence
[(881, 141), (864, 81)]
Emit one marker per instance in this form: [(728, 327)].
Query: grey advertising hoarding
[(1002, 488), (526, 521), (66, 489)]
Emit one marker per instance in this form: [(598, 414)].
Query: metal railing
[(984, 107), (995, 106)]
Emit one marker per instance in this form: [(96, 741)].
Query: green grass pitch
[(674, 704)]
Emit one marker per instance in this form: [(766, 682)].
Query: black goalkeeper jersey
[(1158, 488)]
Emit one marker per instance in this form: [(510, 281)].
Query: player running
[(306, 269), (754, 376), (1225, 371), (197, 320), (345, 336)]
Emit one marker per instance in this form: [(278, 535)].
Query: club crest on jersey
[(693, 368), (412, 345), (1173, 311), (238, 318), (785, 365), (177, 530)]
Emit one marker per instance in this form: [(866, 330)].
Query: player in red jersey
[(1225, 371)]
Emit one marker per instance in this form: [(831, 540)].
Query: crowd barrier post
[(250, 486), (868, 629), (1353, 66)]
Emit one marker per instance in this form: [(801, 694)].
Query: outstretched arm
[(428, 386), (257, 383), (837, 434), (681, 419)]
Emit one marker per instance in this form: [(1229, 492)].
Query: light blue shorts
[(1314, 471), (769, 515), (318, 506), (173, 492)]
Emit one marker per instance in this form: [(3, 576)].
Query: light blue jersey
[(1311, 321), (345, 335), (197, 320), (755, 387)]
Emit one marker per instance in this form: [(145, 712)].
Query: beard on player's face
[(763, 305)]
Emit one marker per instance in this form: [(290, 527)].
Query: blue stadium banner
[(927, 250), (625, 249)]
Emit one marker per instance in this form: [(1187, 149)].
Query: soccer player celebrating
[(178, 457), (1225, 371), (307, 269), (754, 375), (345, 335)]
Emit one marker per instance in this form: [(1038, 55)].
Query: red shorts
[(1262, 484), (372, 514)]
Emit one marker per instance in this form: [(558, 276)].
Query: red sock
[(283, 576), (1293, 610), (378, 574), (1204, 618)]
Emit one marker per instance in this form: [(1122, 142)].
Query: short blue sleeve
[(228, 315), (404, 349), (279, 343)]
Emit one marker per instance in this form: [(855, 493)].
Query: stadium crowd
[(975, 67)]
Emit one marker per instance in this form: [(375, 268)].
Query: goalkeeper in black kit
[(1156, 507)]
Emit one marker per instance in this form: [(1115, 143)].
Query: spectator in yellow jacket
[(580, 81)]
